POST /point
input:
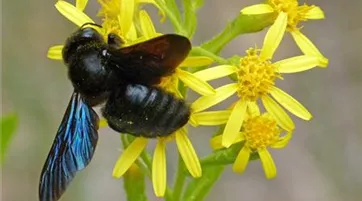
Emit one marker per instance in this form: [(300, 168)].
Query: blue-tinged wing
[(72, 149)]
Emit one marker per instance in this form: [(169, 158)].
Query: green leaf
[(198, 188), (134, 184), (190, 13), (225, 156), (8, 125), (240, 25)]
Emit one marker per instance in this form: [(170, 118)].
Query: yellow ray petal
[(81, 4), (159, 174), (215, 72), (126, 14), (72, 13), (257, 9), (188, 154), (274, 36), (132, 33), (282, 142), (253, 109), (211, 118), (234, 123), (196, 61), (308, 48), (129, 156), (163, 14), (297, 64), (242, 160), (148, 29), (268, 164), (55, 52), (315, 13), (221, 94), (278, 113), (290, 103), (196, 84), (215, 142)]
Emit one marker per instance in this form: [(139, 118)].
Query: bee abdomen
[(145, 111)]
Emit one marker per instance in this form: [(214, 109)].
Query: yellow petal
[(282, 142), (290, 103), (159, 174), (253, 109), (221, 94), (215, 72), (129, 156), (81, 4), (188, 154), (215, 142), (148, 29), (297, 64), (274, 36), (196, 84), (72, 13), (132, 33), (196, 61), (234, 123), (315, 13), (242, 160), (257, 9), (126, 14), (55, 52), (103, 123), (308, 48), (278, 113), (163, 14), (268, 164), (211, 118)]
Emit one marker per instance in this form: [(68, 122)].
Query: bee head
[(86, 35)]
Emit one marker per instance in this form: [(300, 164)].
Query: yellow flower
[(159, 172), (256, 76), (258, 133), (117, 18), (295, 14)]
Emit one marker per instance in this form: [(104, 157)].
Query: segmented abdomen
[(145, 111)]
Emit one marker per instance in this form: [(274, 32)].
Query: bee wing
[(72, 149), (148, 61)]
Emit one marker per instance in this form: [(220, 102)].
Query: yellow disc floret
[(295, 12), (256, 76), (261, 132)]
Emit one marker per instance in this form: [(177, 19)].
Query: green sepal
[(8, 125), (134, 184), (242, 24), (234, 60)]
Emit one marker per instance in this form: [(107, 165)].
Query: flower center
[(295, 12), (256, 76), (261, 131)]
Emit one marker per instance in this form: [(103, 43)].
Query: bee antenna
[(91, 23)]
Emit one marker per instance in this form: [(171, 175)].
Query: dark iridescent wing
[(72, 149), (150, 60)]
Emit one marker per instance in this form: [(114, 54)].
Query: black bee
[(125, 79)]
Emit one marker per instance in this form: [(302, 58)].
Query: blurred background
[(323, 162)]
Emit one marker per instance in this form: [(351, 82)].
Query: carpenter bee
[(123, 80)]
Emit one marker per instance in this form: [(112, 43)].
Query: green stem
[(175, 22), (180, 180), (197, 50), (198, 189), (240, 25)]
